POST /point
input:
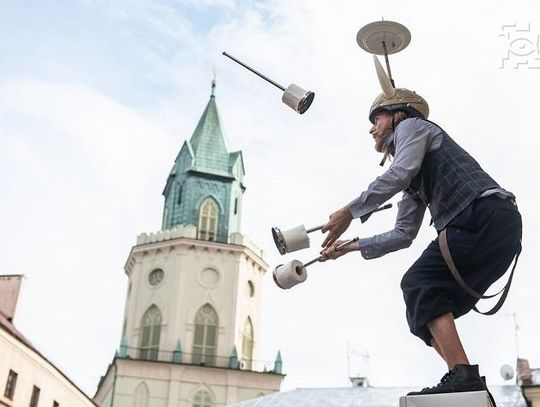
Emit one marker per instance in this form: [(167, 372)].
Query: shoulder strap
[(445, 251)]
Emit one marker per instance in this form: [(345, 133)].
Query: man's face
[(381, 129)]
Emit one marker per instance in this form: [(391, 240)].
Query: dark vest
[(448, 181)]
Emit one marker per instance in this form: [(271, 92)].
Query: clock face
[(155, 277)]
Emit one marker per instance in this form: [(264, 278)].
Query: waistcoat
[(448, 181)]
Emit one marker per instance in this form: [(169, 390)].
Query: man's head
[(392, 106)]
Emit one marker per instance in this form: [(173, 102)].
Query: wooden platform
[(465, 399)]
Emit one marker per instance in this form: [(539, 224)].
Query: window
[(141, 395), (250, 289), (247, 344), (205, 336), (235, 206), (35, 397), (10, 385), (156, 277), (150, 334), (179, 199), (202, 399), (208, 220)]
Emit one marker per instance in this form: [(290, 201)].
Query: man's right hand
[(331, 252), (339, 222)]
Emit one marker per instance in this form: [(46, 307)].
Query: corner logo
[(522, 47)]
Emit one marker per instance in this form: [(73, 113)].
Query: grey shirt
[(412, 139)]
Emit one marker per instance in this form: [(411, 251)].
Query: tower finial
[(214, 81)]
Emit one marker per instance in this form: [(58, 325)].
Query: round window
[(156, 276), (209, 278)]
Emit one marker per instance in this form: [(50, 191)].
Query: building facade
[(191, 330), (27, 376)]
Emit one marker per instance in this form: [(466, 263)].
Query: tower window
[(247, 343), (151, 332), (205, 336), (155, 277), (250, 289), (208, 220), (202, 399), (235, 206), (10, 385), (179, 199), (142, 395)]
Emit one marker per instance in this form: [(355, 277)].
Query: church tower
[(191, 330), (205, 186)]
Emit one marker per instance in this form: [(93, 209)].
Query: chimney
[(524, 374), (10, 286), (359, 381)]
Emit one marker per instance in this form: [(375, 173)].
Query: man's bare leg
[(436, 346), (448, 345), (461, 376)]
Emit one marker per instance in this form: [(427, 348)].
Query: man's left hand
[(338, 223)]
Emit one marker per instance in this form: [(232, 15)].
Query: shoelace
[(445, 379)]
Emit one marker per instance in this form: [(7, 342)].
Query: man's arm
[(412, 140), (409, 219), (411, 211)]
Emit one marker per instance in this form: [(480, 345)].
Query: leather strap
[(445, 251)]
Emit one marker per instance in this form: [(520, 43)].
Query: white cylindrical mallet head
[(297, 98), (295, 238), (289, 274)]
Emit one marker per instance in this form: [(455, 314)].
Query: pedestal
[(468, 399)]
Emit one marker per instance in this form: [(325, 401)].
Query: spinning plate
[(370, 37)]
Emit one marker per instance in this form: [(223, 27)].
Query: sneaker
[(460, 378)]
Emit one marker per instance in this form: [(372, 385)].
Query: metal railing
[(195, 359)]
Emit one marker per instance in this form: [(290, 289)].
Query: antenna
[(516, 329), (358, 361)]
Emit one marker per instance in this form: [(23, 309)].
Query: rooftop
[(505, 396)]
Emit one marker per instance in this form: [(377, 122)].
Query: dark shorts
[(483, 240)]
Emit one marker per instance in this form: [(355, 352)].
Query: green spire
[(278, 364), (233, 360), (177, 354), (123, 351), (206, 174), (208, 142)]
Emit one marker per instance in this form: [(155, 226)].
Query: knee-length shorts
[(483, 240)]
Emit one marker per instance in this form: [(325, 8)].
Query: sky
[(97, 97)]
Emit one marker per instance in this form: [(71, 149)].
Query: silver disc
[(371, 37)]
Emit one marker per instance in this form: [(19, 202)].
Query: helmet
[(393, 99), (405, 100)]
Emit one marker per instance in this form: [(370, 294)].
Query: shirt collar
[(389, 141)]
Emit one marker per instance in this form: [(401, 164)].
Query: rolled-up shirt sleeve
[(412, 139), (409, 219)]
